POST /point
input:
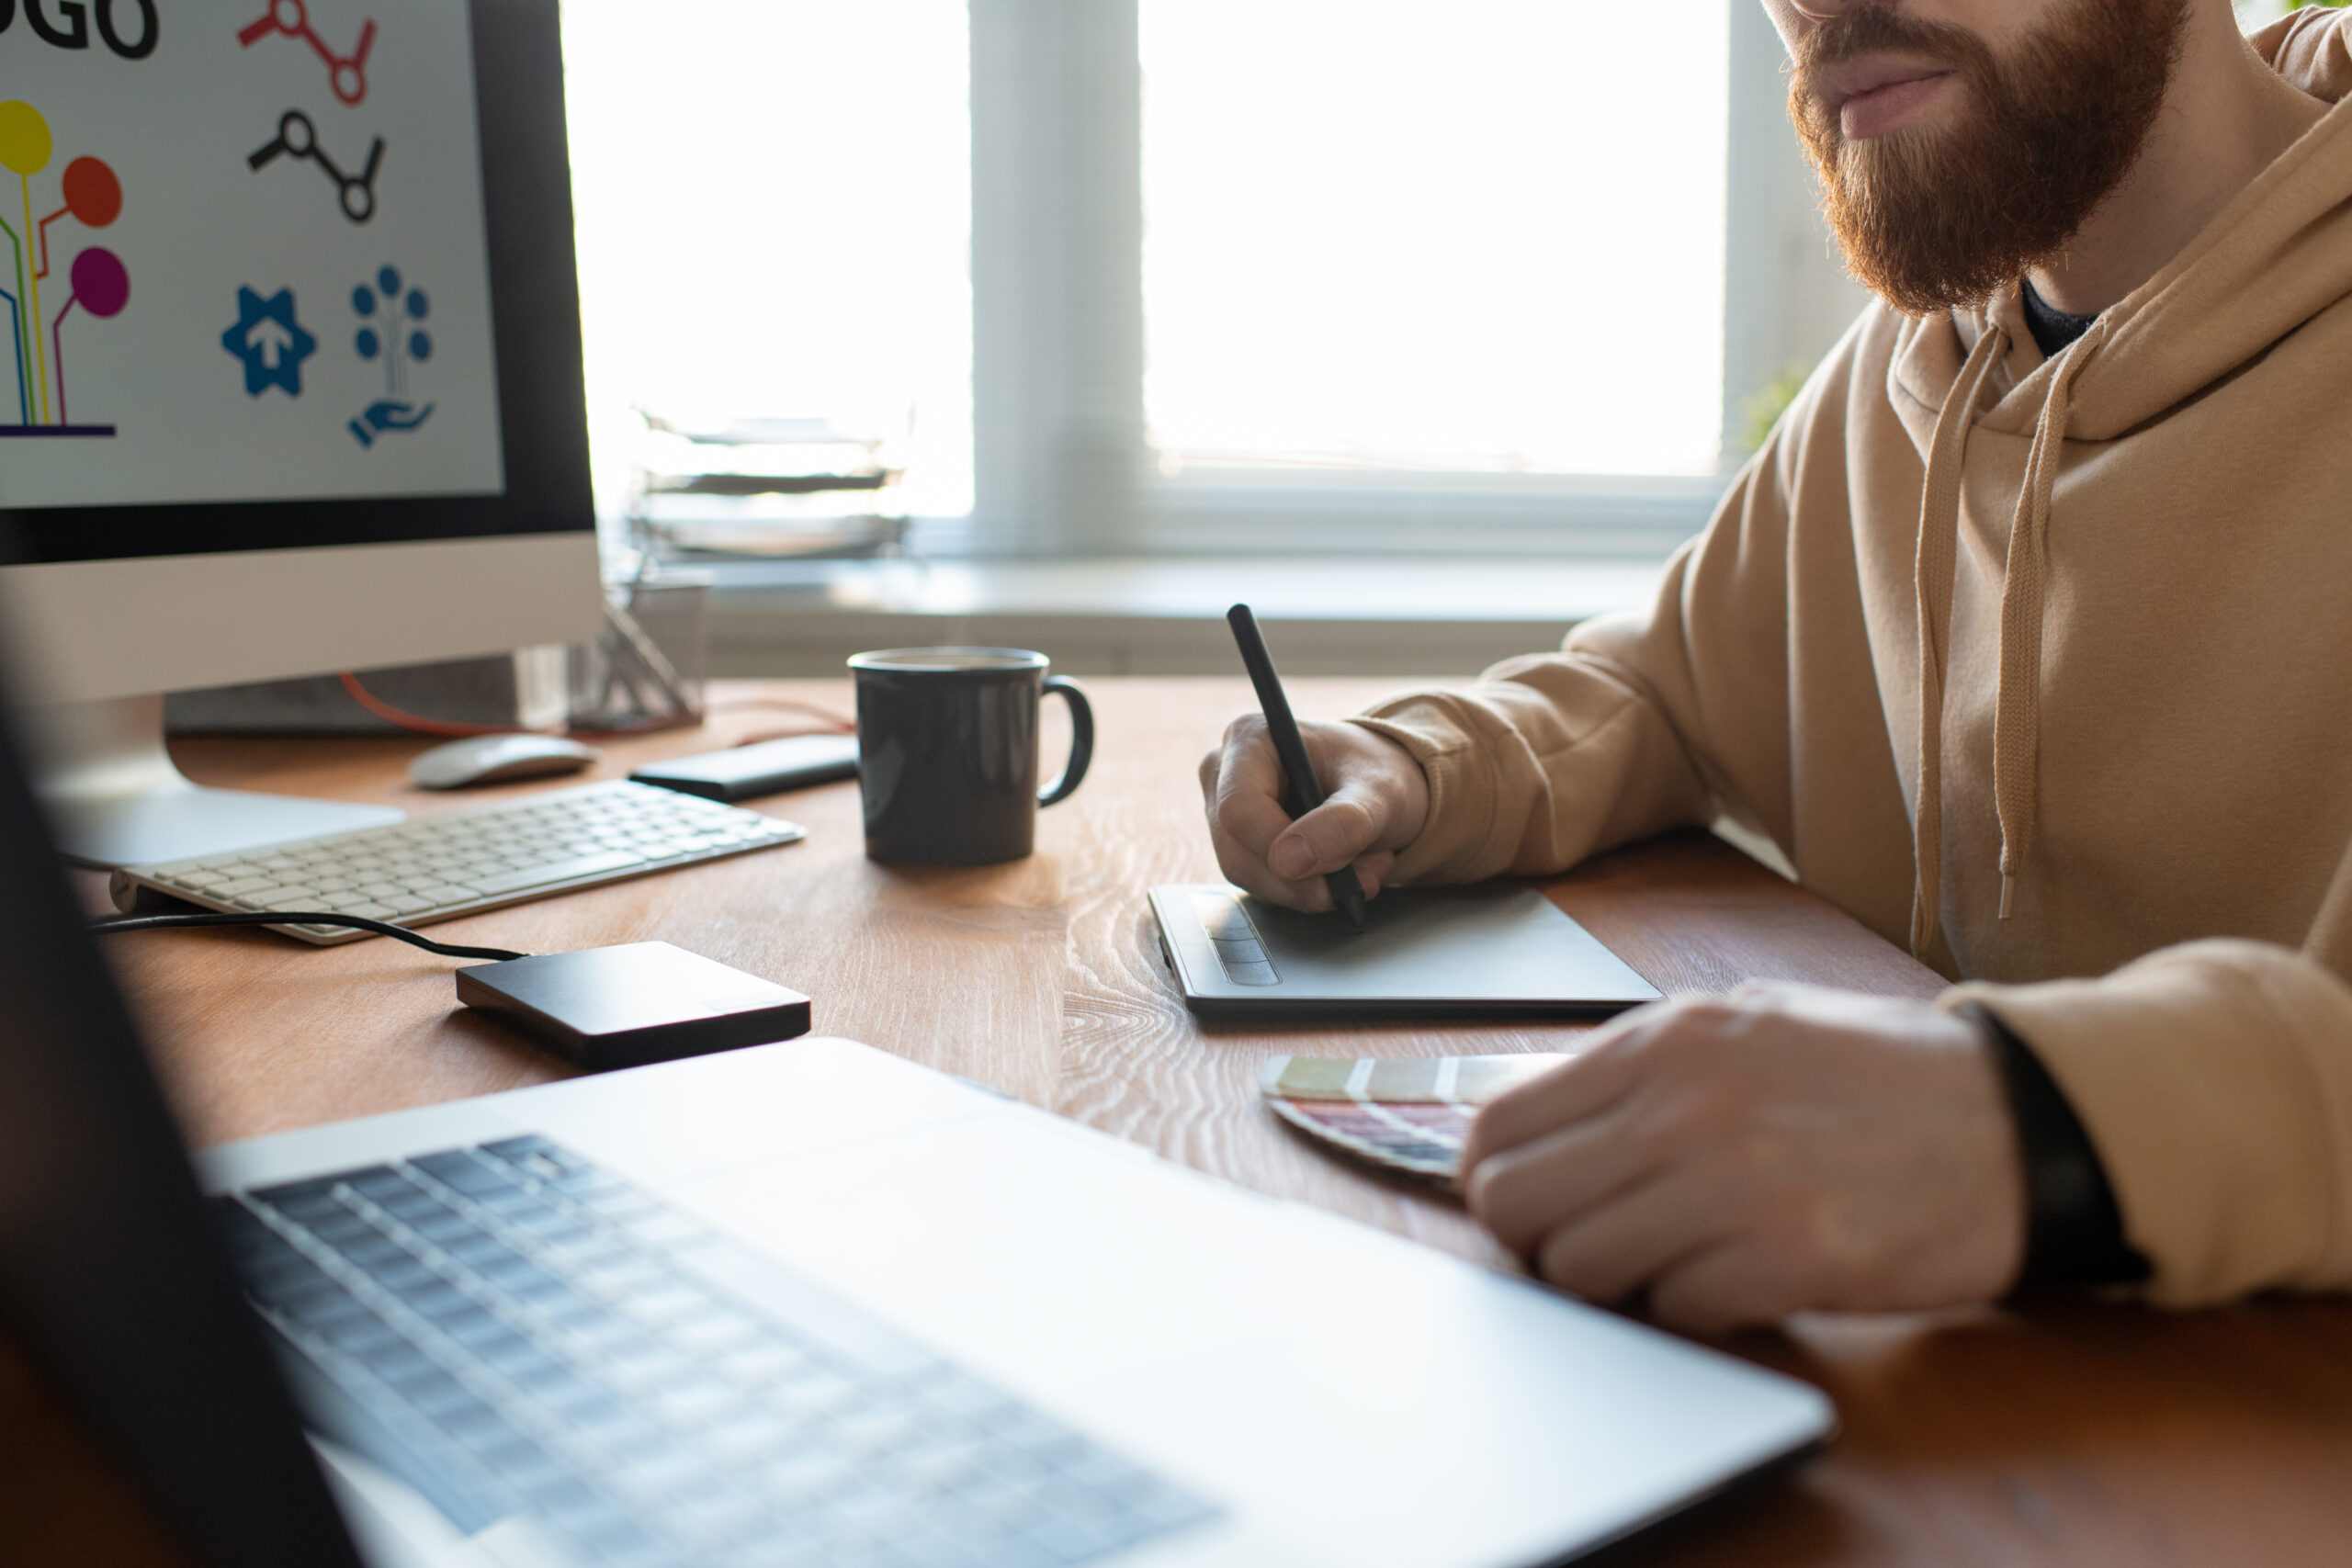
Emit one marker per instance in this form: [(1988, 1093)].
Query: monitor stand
[(116, 799)]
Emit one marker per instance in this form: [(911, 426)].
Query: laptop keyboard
[(514, 1331), (460, 863)]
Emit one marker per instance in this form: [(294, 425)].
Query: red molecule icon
[(347, 73)]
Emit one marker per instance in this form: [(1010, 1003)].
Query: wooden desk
[(2073, 1435)]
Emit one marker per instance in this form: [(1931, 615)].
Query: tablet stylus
[(1347, 893)]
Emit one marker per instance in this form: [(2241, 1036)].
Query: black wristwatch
[(2073, 1227)]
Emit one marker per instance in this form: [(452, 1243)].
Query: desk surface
[(2079, 1434)]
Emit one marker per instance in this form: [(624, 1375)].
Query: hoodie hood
[(2276, 256)]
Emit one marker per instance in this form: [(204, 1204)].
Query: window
[(1379, 235), (1136, 276), (773, 214)]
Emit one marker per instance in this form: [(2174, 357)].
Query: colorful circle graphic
[(92, 192), (101, 282), (24, 138)]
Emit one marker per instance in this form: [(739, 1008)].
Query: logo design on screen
[(98, 283)]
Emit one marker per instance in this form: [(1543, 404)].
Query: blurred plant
[(1762, 409)]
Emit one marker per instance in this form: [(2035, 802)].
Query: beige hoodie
[(2043, 669)]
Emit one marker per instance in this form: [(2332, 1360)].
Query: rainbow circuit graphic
[(97, 281)]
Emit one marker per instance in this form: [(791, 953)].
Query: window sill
[(1165, 615)]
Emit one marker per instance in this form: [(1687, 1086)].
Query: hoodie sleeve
[(1645, 720), (2215, 1081)]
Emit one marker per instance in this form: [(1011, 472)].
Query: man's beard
[(1933, 216)]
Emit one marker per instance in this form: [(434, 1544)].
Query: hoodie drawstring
[(2017, 719), (1933, 576), (2017, 713)]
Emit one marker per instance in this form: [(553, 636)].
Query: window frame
[(1061, 463)]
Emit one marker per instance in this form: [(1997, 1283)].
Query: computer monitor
[(290, 371)]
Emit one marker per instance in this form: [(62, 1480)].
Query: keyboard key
[(462, 1170), (403, 1275), (444, 1226), (436, 1300), (521, 1463), (432, 1391), (559, 871), (408, 1203), (363, 1335), (476, 1328), (303, 1200), (692, 1402)]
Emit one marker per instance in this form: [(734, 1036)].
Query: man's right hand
[(1375, 800)]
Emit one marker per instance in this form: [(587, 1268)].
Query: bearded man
[(2026, 639)]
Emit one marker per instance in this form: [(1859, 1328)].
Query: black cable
[(301, 918)]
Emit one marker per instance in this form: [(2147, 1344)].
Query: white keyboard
[(433, 868)]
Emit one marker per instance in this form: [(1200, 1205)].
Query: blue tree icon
[(389, 327)]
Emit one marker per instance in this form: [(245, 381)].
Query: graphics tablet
[(1439, 951)]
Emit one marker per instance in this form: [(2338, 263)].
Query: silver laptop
[(810, 1304), (802, 1304)]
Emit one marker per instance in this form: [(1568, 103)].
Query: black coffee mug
[(947, 753)]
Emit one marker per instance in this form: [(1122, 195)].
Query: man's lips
[(1872, 98), (1851, 79)]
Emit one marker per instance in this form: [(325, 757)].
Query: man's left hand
[(1737, 1160)]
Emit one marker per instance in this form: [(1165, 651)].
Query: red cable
[(402, 718), (831, 720)]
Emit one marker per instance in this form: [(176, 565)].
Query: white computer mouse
[(498, 758)]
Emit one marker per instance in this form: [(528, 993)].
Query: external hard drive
[(623, 1007), (748, 773)]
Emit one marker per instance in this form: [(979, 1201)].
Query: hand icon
[(385, 414)]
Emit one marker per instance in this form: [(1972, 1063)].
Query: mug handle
[(1082, 740)]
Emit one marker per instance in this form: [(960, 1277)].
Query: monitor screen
[(287, 274)]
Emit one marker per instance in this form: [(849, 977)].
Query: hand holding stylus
[(1295, 846)]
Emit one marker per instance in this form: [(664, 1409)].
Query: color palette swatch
[(1409, 1116)]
